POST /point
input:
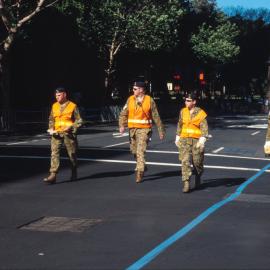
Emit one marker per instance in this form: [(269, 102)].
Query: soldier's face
[(138, 91), (190, 103), (61, 97)]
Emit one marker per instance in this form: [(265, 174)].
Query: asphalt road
[(104, 220)]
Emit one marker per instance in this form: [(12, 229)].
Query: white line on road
[(176, 152), (218, 150), (133, 162), (119, 135), (254, 133), (112, 145), (16, 143)]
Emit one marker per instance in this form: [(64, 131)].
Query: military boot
[(185, 187), (197, 180), (73, 176), (139, 176), (51, 179)]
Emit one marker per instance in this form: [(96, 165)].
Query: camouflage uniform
[(268, 130), (139, 137), (188, 152), (68, 138)]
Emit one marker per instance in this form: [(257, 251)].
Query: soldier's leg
[(56, 142), (133, 143), (142, 138), (185, 150), (71, 144), (197, 160)]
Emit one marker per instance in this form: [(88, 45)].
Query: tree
[(14, 14), (216, 44), (112, 25)]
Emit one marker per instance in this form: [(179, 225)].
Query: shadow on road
[(99, 175), (227, 182)]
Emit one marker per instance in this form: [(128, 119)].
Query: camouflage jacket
[(76, 117), (268, 129), (203, 124), (123, 117)]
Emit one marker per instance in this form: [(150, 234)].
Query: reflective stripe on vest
[(139, 116), (63, 119), (191, 127)]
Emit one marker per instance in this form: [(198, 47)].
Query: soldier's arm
[(77, 119), (268, 130), (156, 118), (51, 120), (179, 124), (123, 116), (204, 128)]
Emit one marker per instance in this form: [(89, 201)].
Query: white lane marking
[(254, 133), (119, 135), (133, 162), (112, 145), (218, 150), (264, 126), (16, 143), (176, 152)]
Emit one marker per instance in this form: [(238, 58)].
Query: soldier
[(267, 140), (64, 121), (138, 113), (192, 130)]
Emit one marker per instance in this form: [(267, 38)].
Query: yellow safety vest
[(191, 127), (63, 119), (139, 116)]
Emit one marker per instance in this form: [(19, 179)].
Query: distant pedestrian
[(267, 140), (192, 130), (138, 114), (64, 121)]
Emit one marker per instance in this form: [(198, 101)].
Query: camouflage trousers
[(139, 138), (189, 153), (71, 144)]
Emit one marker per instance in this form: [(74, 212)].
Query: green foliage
[(216, 44), (143, 24)]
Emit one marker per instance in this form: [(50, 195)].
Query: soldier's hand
[(161, 136), (267, 148), (201, 142), (50, 131), (177, 139), (122, 130)]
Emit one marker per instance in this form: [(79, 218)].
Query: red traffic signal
[(201, 76), (177, 77)]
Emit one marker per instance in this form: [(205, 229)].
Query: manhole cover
[(60, 224)]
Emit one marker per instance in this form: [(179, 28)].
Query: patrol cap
[(60, 90), (192, 96), (139, 84)]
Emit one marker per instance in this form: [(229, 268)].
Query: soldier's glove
[(201, 142), (51, 131), (267, 148), (177, 139)]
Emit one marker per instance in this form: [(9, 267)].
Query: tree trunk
[(109, 76), (5, 108)]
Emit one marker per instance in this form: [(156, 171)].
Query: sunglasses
[(188, 100), (136, 88)]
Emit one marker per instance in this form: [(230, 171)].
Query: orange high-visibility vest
[(63, 119), (139, 116), (191, 127)]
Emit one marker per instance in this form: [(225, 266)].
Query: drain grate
[(60, 224)]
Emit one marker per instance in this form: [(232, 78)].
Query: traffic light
[(201, 76)]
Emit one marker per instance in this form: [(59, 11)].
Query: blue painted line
[(183, 231)]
